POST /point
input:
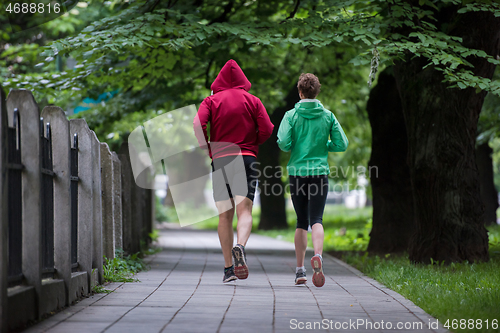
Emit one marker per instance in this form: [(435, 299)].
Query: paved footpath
[(183, 292)]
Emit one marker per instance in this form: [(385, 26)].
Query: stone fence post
[(108, 230), (138, 202), (59, 127), (134, 196), (85, 193), (25, 300), (97, 252), (127, 180), (117, 200)]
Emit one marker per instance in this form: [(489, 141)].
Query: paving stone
[(184, 291)]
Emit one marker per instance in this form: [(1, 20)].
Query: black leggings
[(309, 198)]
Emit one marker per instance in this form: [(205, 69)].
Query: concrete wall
[(113, 212)]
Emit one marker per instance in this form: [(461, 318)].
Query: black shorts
[(309, 197), (234, 175)]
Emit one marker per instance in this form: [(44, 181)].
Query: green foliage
[(345, 229), (99, 289), (21, 47), (495, 145), (458, 291), (143, 42), (161, 214), (488, 127), (162, 57), (348, 239), (122, 267), (155, 235)]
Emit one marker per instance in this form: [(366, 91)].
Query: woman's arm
[(285, 133), (338, 140)]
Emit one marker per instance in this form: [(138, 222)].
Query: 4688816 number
[(471, 324), (33, 8)]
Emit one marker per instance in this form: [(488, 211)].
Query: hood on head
[(230, 76), (309, 110)]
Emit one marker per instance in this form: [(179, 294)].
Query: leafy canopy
[(142, 41)]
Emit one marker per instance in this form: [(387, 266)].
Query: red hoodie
[(236, 117)]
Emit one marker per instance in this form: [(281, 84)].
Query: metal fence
[(74, 203)]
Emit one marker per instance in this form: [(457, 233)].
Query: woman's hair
[(309, 85)]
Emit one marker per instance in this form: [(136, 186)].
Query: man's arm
[(338, 142), (200, 125), (264, 124)]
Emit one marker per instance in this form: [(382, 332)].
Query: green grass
[(99, 289), (345, 229), (458, 291), (123, 267)]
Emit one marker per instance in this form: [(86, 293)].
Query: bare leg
[(225, 229), (318, 235), (244, 214), (300, 245)]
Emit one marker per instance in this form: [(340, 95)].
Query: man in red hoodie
[(239, 123)]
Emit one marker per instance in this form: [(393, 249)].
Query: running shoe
[(317, 266), (240, 262), (300, 277), (229, 274)]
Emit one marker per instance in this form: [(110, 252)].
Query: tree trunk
[(489, 194), (272, 199), (393, 221), (441, 125)]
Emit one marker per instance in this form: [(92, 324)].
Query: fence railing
[(66, 201), (74, 204)]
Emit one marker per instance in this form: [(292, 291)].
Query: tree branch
[(294, 11), (207, 72), (227, 10), (292, 14)]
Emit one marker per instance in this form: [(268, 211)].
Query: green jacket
[(305, 131)]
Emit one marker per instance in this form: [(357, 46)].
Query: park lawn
[(345, 229), (459, 291)]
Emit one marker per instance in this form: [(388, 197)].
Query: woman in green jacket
[(310, 131)]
